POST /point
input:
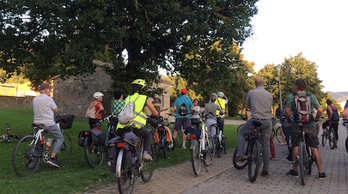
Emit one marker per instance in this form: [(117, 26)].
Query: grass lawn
[(73, 177)]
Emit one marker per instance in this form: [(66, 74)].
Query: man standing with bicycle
[(44, 108), (259, 101), (309, 128)]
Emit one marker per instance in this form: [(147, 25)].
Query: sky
[(316, 28)]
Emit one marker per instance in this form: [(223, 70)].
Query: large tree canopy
[(45, 38)]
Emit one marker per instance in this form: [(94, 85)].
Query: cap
[(44, 86), (183, 91)]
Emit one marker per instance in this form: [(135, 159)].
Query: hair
[(301, 84), (136, 88), (117, 94), (329, 102), (195, 100)]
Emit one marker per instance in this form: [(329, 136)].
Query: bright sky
[(316, 28)]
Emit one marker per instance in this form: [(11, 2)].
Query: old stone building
[(73, 95)]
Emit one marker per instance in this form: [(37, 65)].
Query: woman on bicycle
[(139, 122), (209, 111)]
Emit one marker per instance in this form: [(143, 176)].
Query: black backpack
[(183, 109)]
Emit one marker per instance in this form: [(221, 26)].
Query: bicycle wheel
[(66, 149), (210, 151), (347, 144), (195, 157), (218, 149), (240, 126), (126, 181), (323, 139), (302, 162), (23, 161), (332, 139), (224, 144), (238, 165), (93, 154), (148, 167), (278, 135), (164, 147), (254, 160)]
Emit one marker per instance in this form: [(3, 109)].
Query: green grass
[(74, 177)]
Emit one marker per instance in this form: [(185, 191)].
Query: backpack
[(335, 115), (303, 108), (183, 109), (126, 115), (90, 113)]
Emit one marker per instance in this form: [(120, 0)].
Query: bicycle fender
[(119, 163)]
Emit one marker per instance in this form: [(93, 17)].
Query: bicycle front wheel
[(66, 149), (195, 157), (23, 160), (238, 165), (218, 149), (240, 126), (126, 180), (210, 151), (323, 139), (93, 154), (148, 167), (302, 162), (254, 160), (332, 139), (347, 144), (278, 135)]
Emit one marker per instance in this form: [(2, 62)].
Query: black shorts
[(184, 122), (310, 136)]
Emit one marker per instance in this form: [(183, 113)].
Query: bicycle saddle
[(257, 123), (37, 124)]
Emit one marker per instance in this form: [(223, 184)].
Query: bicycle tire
[(218, 149), (22, 157), (195, 157), (66, 149), (238, 128), (93, 154), (236, 164), (347, 144), (126, 182), (210, 149), (278, 135), (254, 162), (164, 147), (332, 139), (148, 167), (224, 144), (302, 162), (323, 140)]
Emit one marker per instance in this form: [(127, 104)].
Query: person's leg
[(266, 131), (271, 145), (185, 123), (282, 134), (246, 129), (57, 136), (324, 125), (177, 127), (335, 127), (143, 132), (313, 143), (208, 124)]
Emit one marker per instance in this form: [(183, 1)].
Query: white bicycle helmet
[(98, 95), (221, 94)]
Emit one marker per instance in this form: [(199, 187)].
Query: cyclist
[(220, 101), (344, 113), (210, 110), (260, 102), (334, 124), (99, 108), (308, 128), (195, 110), (44, 108), (139, 122)]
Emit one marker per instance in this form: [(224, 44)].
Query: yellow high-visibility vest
[(139, 114), (221, 103)]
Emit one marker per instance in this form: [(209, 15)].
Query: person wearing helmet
[(139, 122), (220, 101), (99, 108), (210, 109)]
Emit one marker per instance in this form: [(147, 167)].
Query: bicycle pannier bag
[(303, 107), (111, 153), (82, 136), (98, 137)]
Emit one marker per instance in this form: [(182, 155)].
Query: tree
[(46, 38)]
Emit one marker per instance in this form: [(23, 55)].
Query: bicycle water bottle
[(49, 141)]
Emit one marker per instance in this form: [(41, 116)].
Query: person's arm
[(319, 113), (151, 107), (329, 114)]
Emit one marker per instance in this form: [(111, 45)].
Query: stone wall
[(16, 102)]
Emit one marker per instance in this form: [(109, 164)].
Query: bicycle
[(245, 118), (202, 148), (31, 149), (6, 137), (253, 153), (276, 130), (328, 135), (220, 142), (129, 162), (94, 154), (345, 123), (304, 157)]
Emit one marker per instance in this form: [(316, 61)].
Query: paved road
[(224, 178)]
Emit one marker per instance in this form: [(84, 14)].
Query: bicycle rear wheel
[(218, 148), (332, 139), (126, 181), (66, 149), (240, 126), (302, 162), (148, 167), (195, 157), (210, 151), (323, 139), (23, 161), (347, 144), (254, 160), (278, 135), (93, 154)]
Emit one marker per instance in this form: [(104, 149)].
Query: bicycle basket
[(65, 121)]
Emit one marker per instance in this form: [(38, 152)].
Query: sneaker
[(289, 158), (264, 173), (147, 157), (170, 146), (53, 162), (184, 146), (322, 176), (292, 173)]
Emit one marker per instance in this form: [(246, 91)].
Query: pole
[(280, 92)]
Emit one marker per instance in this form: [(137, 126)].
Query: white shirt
[(43, 107)]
